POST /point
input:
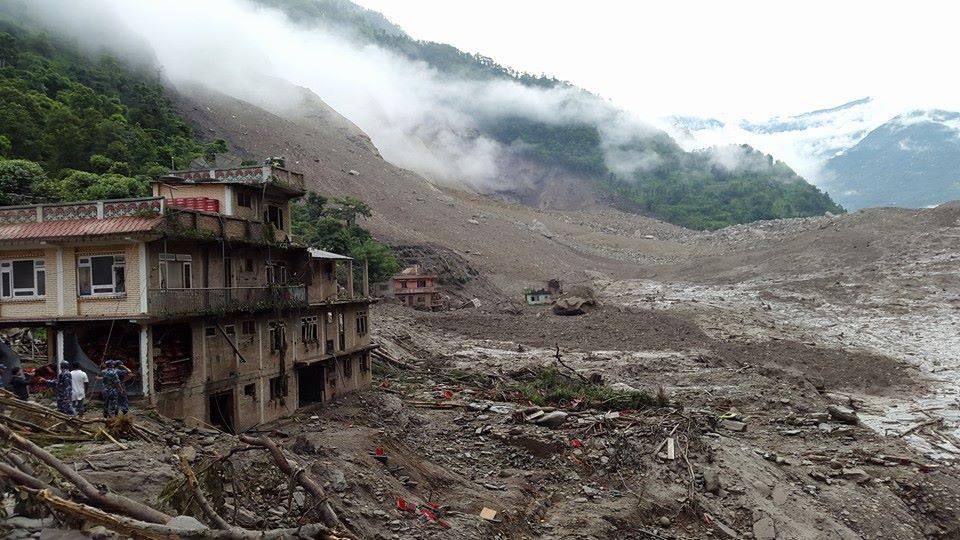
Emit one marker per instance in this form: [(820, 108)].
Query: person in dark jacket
[(64, 389), (19, 384)]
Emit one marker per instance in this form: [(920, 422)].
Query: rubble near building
[(200, 290)]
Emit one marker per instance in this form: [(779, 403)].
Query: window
[(421, 283), (276, 273), (362, 323), (364, 362), (309, 330), (420, 299), (23, 279), (101, 274), (277, 389), (347, 367), (403, 284), (210, 331), (248, 327), (244, 199), (176, 271), (274, 216), (248, 265), (250, 389), (341, 332), (278, 339)]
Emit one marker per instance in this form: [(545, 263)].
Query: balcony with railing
[(215, 301)]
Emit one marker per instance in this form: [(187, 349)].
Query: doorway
[(221, 411), (310, 384)]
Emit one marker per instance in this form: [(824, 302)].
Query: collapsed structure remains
[(199, 290)]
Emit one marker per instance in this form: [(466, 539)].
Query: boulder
[(843, 414), (552, 420)]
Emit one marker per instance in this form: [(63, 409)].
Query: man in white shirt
[(79, 392)]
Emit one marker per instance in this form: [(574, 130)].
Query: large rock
[(187, 524), (552, 420), (843, 414)]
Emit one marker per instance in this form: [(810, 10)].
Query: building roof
[(321, 254), (78, 227), (257, 175)]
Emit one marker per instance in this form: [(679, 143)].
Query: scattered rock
[(764, 528), (552, 420), (843, 414), (711, 480), (733, 425)]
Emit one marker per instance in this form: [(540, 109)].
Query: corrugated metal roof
[(321, 254), (78, 227)]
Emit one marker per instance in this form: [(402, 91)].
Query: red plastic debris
[(447, 394), (576, 443), (404, 506), (378, 451)]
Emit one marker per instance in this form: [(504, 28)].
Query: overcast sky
[(726, 59)]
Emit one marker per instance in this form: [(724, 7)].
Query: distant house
[(416, 288), (537, 297)]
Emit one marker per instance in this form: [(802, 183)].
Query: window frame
[(118, 262), (185, 264), (244, 196), (362, 323), (38, 274)]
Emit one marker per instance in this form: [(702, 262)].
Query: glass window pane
[(120, 279), (5, 281), (41, 282), (23, 275), (102, 270), (83, 280)]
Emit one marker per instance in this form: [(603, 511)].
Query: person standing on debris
[(19, 384), (64, 390), (111, 381), (123, 374), (80, 380)]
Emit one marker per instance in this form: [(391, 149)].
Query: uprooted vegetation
[(552, 387)]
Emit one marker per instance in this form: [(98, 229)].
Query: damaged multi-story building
[(200, 290)]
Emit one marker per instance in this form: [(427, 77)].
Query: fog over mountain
[(867, 152)]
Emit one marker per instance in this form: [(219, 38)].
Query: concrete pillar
[(350, 278), (146, 374), (59, 349), (366, 278)]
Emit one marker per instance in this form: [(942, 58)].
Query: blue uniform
[(111, 382), (64, 390), (123, 404)]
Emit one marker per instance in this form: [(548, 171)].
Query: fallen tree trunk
[(299, 475), (111, 501), (154, 531), (24, 479)]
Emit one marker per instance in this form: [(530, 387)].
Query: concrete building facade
[(222, 317)]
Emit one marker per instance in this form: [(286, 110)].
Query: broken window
[(361, 323), (210, 331), (309, 330), (101, 274), (250, 390), (364, 362), (276, 388), (274, 216), (176, 271), (278, 339), (341, 332), (276, 273), (23, 278), (347, 367)]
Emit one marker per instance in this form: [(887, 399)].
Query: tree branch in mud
[(575, 372), (90, 492), (194, 486), (299, 475)]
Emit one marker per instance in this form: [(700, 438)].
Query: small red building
[(416, 288)]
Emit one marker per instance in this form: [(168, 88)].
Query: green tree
[(349, 209), (18, 177)]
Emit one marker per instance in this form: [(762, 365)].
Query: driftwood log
[(110, 501), (155, 531)]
